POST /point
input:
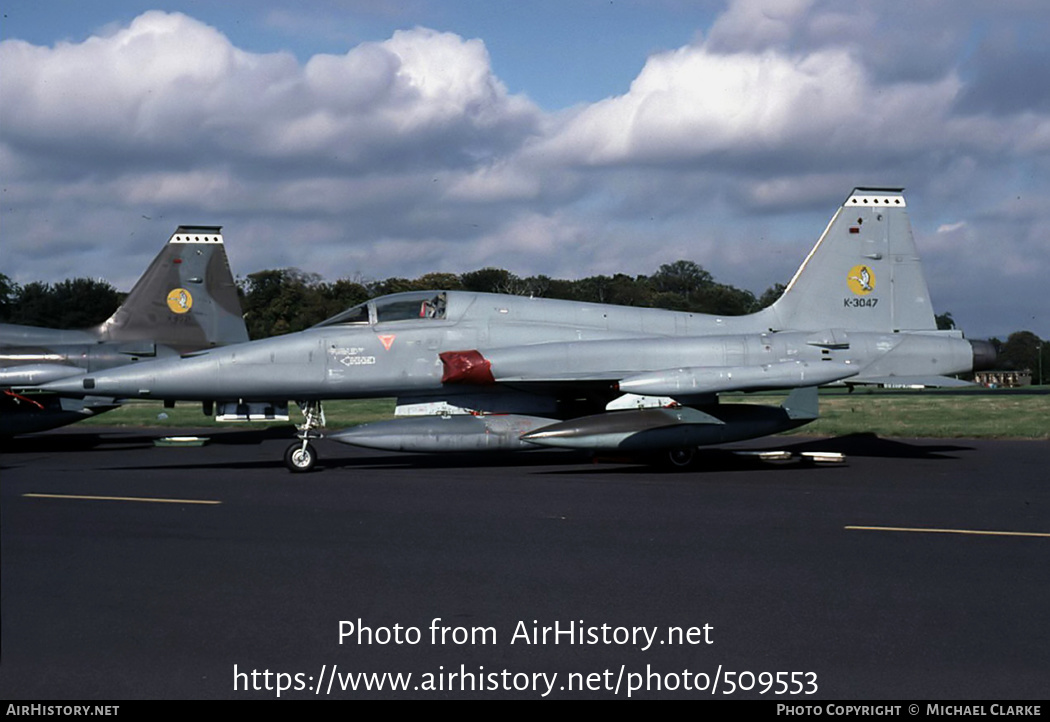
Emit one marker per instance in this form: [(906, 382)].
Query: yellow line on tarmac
[(123, 498), (951, 531)]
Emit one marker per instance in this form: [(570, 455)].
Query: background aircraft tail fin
[(863, 274), (186, 299)]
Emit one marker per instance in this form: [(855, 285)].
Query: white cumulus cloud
[(409, 154)]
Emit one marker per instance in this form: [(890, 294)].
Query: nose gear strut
[(301, 456)]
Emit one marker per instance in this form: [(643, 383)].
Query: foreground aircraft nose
[(983, 355)]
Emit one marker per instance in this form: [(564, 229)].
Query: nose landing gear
[(301, 456)]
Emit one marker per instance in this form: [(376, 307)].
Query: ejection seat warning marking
[(630, 675), (352, 356)]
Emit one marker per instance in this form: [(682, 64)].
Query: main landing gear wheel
[(300, 457), (681, 459)]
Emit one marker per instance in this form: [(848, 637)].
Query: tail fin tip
[(197, 234)]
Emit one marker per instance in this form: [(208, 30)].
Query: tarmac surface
[(211, 572)]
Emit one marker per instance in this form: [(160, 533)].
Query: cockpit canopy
[(411, 306)]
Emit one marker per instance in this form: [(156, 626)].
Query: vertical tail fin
[(864, 273), (186, 299)]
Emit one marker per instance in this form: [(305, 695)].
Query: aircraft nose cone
[(983, 355)]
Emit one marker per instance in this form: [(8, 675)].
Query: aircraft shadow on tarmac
[(709, 459), (109, 439), (873, 445)]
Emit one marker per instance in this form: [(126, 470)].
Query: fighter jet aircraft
[(475, 371), (185, 301)]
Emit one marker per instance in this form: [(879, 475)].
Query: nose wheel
[(301, 456)]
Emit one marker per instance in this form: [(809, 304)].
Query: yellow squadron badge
[(180, 300), (861, 280)]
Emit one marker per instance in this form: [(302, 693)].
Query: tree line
[(281, 301), (286, 300)]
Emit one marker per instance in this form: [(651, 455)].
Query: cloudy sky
[(368, 139)]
